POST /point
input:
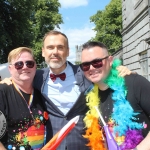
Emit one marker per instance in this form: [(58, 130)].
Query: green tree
[(15, 29), (77, 62), (24, 22), (108, 24)]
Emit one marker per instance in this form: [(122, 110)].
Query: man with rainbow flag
[(123, 101)]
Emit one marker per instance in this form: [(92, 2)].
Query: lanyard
[(30, 99)]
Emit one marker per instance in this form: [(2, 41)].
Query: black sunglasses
[(96, 63), (19, 65)]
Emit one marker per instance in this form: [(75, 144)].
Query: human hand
[(123, 71), (145, 144), (8, 81)]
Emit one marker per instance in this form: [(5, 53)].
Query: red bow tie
[(62, 76)]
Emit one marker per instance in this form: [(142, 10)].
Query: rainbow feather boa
[(126, 125)]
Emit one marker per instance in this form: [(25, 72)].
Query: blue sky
[(76, 17)]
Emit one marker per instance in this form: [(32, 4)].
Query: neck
[(26, 87), (102, 86)]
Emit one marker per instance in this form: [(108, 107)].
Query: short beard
[(56, 65)]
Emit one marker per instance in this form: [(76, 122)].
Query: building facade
[(136, 36), (78, 53)]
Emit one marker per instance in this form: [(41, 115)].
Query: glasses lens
[(85, 66), (19, 65), (30, 64), (97, 63)]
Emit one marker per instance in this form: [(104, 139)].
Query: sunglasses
[(19, 65), (96, 63)]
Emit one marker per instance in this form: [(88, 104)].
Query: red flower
[(45, 115)]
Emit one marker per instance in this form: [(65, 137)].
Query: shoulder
[(83, 83), (74, 67), (137, 80), (6, 91), (135, 77), (5, 87)]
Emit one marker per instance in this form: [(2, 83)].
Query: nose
[(91, 67), (55, 50), (24, 66)]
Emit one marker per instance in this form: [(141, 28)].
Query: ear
[(43, 55), (110, 60), (10, 69), (68, 52), (35, 65)]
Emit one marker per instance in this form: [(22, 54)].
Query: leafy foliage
[(77, 62), (108, 24), (15, 29), (24, 23)]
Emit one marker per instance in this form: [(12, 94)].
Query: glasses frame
[(19, 64), (93, 63)]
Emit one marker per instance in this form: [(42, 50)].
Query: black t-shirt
[(25, 126), (138, 95)]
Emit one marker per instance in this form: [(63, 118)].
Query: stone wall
[(136, 34)]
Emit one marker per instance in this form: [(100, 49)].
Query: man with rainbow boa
[(123, 101)]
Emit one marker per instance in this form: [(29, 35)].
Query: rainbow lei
[(126, 125)]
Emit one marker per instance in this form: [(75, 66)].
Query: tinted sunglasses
[(96, 63), (19, 65)]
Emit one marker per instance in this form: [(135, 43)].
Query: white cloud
[(73, 3), (77, 37)]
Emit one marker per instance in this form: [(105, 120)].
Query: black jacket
[(74, 140)]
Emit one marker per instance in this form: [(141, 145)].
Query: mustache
[(56, 56)]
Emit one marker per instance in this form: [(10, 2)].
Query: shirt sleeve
[(3, 100), (3, 109)]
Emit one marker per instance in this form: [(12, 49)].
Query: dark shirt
[(138, 93), (25, 126)]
